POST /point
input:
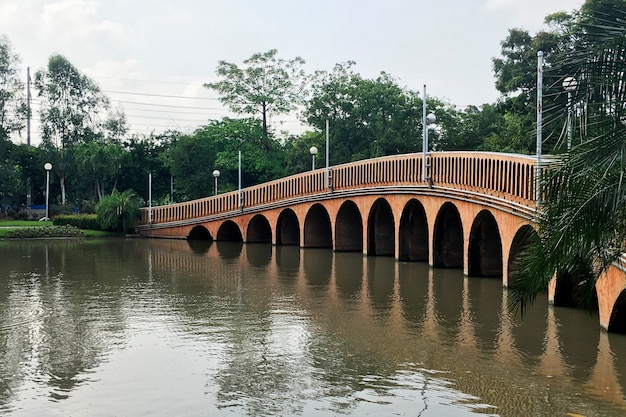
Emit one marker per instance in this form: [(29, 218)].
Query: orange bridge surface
[(467, 210)]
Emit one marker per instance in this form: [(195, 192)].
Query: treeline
[(92, 153)]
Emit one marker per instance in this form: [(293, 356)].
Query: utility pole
[(28, 99)]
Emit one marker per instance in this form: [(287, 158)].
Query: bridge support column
[(609, 287)]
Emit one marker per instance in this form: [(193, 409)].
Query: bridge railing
[(506, 176)]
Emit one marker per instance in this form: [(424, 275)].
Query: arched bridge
[(466, 210)]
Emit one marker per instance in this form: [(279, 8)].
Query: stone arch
[(381, 229), (617, 323), (448, 238), (349, 228), (199, 233), (485, 247), (317, 229), (573, 286), (413, 234), (523, 237), (259, 230), (229, 231), (288, 228)]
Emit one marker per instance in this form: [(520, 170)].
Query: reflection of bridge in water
[(473, 211), (448, 319)]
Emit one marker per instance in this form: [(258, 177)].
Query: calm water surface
[(157, 327)]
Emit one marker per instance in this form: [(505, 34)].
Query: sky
[(152, 57)]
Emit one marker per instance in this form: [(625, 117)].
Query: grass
[(23, 223)]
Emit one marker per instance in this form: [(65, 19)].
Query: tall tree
[(264, 85), (582, 228), (13, 108), (368, 118), (73, 110)]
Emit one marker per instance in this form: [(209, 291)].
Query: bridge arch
[(288, 228), (448, 238), (199, 233), (381, 229), (349, 228), (523, 237), (485, 247), (413, 233), (259, 230), (569, 283), (617, 323), (317, 228), (229, 231)]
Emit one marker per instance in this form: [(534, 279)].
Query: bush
[(46, 231), (119, 211), (82, 221)]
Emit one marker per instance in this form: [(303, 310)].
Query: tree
[(100, 163), (192, 158), (368, 118), (119, 211), (265, 85), (582, 227), (13, 109), (74, 110)]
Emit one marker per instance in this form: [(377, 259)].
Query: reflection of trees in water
[(69, 293)]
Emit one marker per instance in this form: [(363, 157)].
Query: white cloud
[(76, 19)]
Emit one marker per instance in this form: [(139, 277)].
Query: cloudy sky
[(151, 57)]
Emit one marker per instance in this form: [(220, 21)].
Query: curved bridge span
[(466, 210)]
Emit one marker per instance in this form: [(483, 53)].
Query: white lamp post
[(427, 119), (48, 167), (570, 85), (216, 175), (313, 151)]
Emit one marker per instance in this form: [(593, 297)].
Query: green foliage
[(118, 211), (73, 111), (45, 232), (368, 118), (82, 221), (582, 228), (12, 104), (192, 158), (264, 85)]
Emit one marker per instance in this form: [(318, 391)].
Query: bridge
[(468, 210)]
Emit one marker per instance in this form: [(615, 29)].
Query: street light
[(216, 175), (427, 119), (313, 151), (570, 85), (48, 167)]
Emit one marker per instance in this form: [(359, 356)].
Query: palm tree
[(582, 222), (118, 211)]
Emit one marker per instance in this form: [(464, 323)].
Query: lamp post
[(216, 175), (427, 119), (539, 127), (48, 167), (313, 151), (570, 85)]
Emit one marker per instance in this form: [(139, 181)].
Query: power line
[(160, 95)]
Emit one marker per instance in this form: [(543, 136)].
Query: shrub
[(118, 211), (82, 221), (46, 231)]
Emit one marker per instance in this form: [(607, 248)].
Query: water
[(157, 327)]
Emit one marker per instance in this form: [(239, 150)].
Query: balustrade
[(505, 176)]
